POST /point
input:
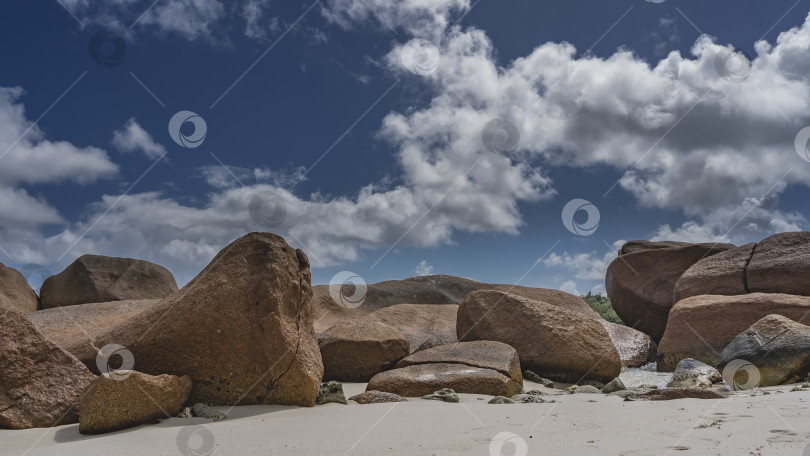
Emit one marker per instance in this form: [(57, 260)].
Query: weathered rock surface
[(643, 246), (484, 353), (40, 383), (444, 395), (614, 385), (357, 351), (422, 379), (242, 329), (501, 400), (424, 325), (635, 348), (15, 291), (670, 394), (781, 264), (95, 278), (129, 398), (776, 346), (700, 327), (74, 327), (721, 274), (377, 397), (331, 393), (640, 284), (559, 344), (690, 373)]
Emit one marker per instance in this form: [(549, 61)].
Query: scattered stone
[(536, 393), (128, 398), (565, 345), (357, 351), (201, 410), (532, 377), (700, 327), (776, 348), (377, 397), (40, 383), (528, 399), (331, 393), (15, 291), (690, 373), (481, 353), (185, 413), (595, 383), (640, 284), (500, 400), (614, 385), (444, 395), (676, 393), (623, 393), (421, 379), (583, 389), (95, 278)]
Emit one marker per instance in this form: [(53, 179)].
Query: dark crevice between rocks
[(302, 287), (745, 269)]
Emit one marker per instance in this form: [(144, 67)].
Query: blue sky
[(381, 168)]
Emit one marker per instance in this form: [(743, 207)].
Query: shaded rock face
[(557, 343), (242, 329), (94, 278), (331, 393), (640, 284), (40, 383), (700, 327), (376, 397), (423, 379), (485, 353), (128, 398), (781, 264), (721, 274), (355, 352), (424, 325), (776, 346), (15, 291)]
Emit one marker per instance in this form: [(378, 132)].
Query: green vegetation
[(601, 304)]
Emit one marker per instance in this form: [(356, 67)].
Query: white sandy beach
[(584, 424)]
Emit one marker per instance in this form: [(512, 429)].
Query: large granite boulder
[(776, 346), (643, 246), (40, 383), (128, 398), (95, 278), (423, 379), (482, 353), (557, 343), (781, 264), (721, 274), (357, 351), (241, 330), (635, 348), (15, 291), (700, 327), (640, 284), (424, 325)]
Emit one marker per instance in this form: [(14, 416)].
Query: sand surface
[(775, 424)]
